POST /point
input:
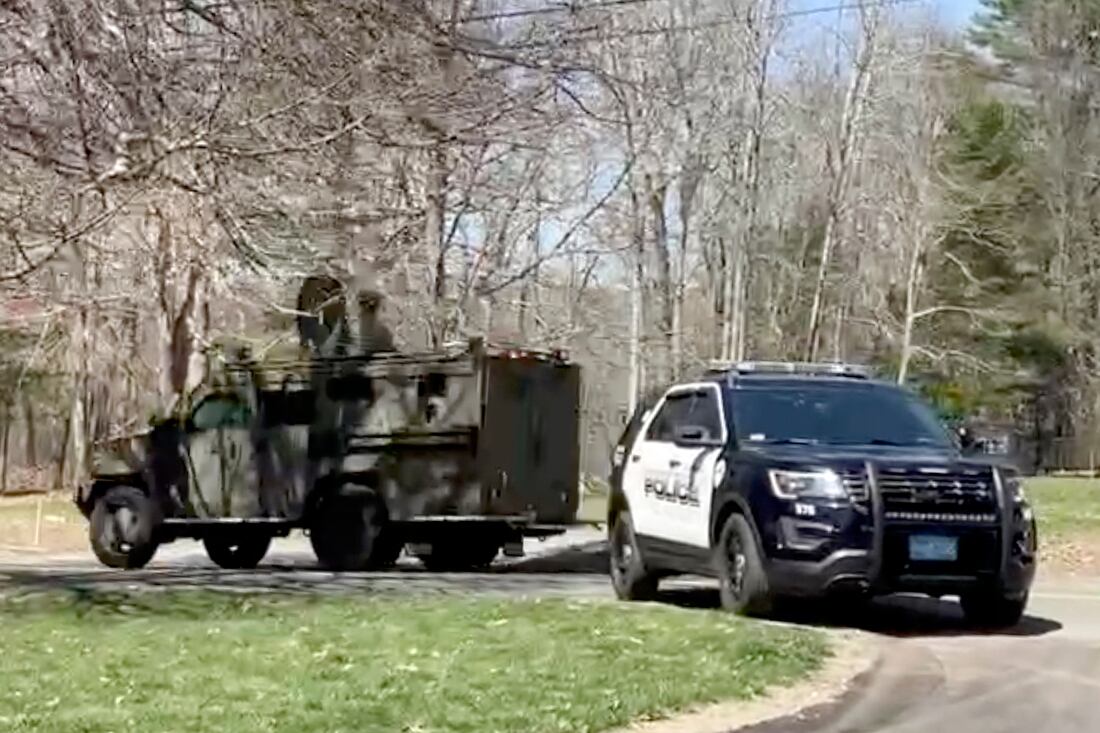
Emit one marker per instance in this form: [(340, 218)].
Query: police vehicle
[(788, 479)]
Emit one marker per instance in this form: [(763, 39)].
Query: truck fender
[(89, 495)]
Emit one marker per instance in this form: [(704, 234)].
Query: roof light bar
[(839, 369)]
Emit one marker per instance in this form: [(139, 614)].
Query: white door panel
[(670, 486), (657, 489)]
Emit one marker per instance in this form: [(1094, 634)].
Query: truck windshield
[(831, 415)]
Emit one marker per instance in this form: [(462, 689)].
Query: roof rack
[(820, 369)]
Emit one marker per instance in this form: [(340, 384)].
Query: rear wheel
[(743, 585), (345, 530), (630, 578), (992, 609), (122, 528), (387, 549), (237, 553)]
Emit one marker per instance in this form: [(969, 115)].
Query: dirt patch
[(854, 654), (1078, 555)]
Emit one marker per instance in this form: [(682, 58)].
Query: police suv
[(787, 479)]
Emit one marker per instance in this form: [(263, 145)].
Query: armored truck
[(456, 454)]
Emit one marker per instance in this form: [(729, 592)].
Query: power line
[(573, 8), (564, 7)]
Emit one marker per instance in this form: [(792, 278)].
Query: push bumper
[(858, 571)]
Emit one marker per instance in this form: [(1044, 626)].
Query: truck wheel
[(239, 553), (345, 531), (629, 576), (122, 528), (743, 585), (992, 609), (387, 549)]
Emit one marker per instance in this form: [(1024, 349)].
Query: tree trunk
[(5, 456), (31, 431), (637, 287), (840, 175), (657, 199), (433, 237)]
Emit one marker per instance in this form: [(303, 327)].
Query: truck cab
[(787, 479)]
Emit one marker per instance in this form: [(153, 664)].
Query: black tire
[(387, 549), (743, 584), (992, 609), (454, 556), (630, 578), (123, 527), (238, 553), (345, 529)]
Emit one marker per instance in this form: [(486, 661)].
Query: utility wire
[(564, 7), (576, 7)]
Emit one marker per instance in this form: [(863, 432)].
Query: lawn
[(1067, 511), (1066, 508), (227, 662), (61, 527)]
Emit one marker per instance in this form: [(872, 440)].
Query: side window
[(696, 408), (220, 412), (673, 412), (705, 413)]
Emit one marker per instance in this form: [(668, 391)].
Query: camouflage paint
[(466, 432)]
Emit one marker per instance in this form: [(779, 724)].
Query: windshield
[(819, 414)]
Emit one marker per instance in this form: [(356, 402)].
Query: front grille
[(935, 494), (855, 481)]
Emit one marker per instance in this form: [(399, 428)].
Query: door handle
[(674, 464), (635, 458)]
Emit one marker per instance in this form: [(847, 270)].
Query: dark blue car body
[(901, 500)]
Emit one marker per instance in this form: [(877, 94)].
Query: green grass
[(1066, 508), (207, 661)]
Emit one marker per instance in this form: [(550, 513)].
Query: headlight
[(1013, 487), (807, 484)]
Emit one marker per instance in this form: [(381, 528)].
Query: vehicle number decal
[(804, 510)]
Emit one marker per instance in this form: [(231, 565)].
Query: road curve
[(933, 674)]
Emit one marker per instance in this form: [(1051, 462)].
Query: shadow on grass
[(576, 571)]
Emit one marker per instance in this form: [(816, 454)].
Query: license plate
[(933, 548)]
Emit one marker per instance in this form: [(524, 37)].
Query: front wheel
[(743, 584), (238, 553), (122, 528), (630, 578), (992, 609)]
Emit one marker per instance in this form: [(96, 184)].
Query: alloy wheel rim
[(623, 552), (737, 562)]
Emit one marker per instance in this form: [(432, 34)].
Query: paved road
[(1043, 676)]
